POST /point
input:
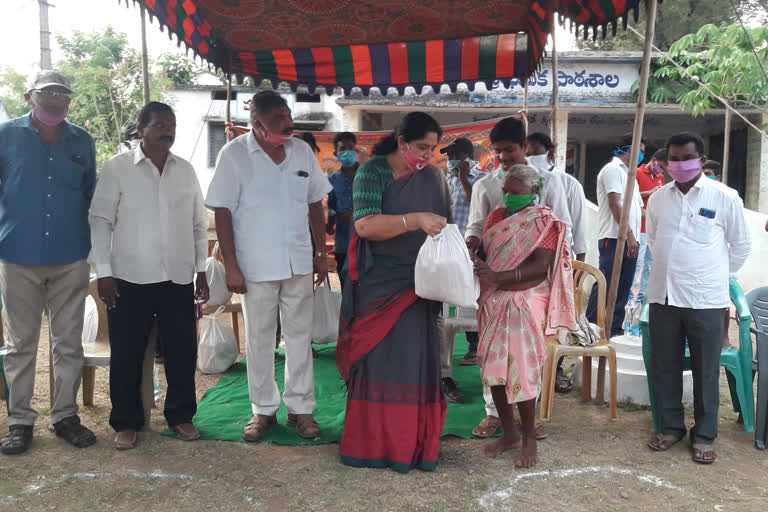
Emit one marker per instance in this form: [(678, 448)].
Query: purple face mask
[(685, 171), (656, 170), (47, 118)]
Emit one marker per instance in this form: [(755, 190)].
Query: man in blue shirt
[(340, 198), (47, 179), (461, 176)]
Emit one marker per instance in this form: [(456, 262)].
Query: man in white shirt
[(540, 151), (149, 230), (509, 147), (265, 185), (611, 184), (699, 238)]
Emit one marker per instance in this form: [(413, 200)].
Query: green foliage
[(13, 86), (677, 18), (180, 69), (723, 59)]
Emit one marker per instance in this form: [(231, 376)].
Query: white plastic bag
[(90, 321), (325, 315), (218, 349), (444, 270), (217, 279)]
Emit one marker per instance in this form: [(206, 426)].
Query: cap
[(130, 131), (47, 78), (460, 145)]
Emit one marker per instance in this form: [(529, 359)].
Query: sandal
[(18, 440), (258, 427), (74, 433), (469, 359), (125, 440), (541, 432), (186, 431), (663, 442), (305, 424), (703, 453), (487, 428)]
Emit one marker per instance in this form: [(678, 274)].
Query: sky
[(20, 38)]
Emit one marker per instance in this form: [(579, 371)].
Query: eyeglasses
[(53, 94)]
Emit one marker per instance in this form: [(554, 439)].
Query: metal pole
[(144, 56), (45, 36), (555, 85), (726, 143), (650, 30)]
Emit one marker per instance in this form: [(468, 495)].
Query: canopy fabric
[(377, 43)]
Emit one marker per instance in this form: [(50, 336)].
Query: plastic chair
[(582, 277), (758, 306), (737, 362)]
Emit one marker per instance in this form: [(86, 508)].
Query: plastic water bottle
[(628, 311), (636, 317), (156, 379)]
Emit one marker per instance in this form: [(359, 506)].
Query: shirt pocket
[(702, 229), (298, 182), (71, 174)]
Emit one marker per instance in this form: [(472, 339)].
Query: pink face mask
[(415, 161), (685, 171), (656, 170), (47, 118), (276, 139)]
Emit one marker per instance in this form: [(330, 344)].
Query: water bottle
[(628, 316), (636, 317), (156, 379)]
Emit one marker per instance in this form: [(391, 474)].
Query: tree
[(181, 70), (678, 18), (727, 59), (106, 76), (13, 86)]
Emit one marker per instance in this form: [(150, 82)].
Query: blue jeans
[(643, 270), (607, 248)]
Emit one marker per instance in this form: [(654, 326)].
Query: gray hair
[(264, 101), (528, 176)]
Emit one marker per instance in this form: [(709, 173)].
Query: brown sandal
[(258, 427), (186, 431), (305, 424), (663, 442), (487, 428), (703, 454)]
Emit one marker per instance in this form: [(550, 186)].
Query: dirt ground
[(587, 463)]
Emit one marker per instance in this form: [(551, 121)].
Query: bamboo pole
[(726, 144), (45, 36), (555, 85), (144, 56), (650, 29)]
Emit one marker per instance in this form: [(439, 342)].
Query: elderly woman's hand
[(484, 272)]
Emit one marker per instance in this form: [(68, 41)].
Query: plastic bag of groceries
[(444, 270), (90, 321), (218, 349), (325, 314), (217, 279)]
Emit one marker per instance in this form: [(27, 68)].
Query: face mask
[(47, 118), (710, 177), (640, 155), (515, 202), (683, 172), (276, 139), (414, 161), (452, 166), (655, 170), (541, 162), (347, 158)]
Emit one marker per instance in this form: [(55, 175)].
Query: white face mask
[(541, 162)]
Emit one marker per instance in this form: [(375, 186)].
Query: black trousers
[(473, 338), (129, 327), (607, 248), (670, 326)]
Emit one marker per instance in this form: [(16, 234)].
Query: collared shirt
[(646, 182), (575, 200), (45, 193), (148, 227), (694, 255), (613, 179), (459, 200), (269, 205), (487, 195), (340, 200)]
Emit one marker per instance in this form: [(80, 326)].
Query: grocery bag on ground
[(325, 314), (217, 279), (90, 321), (218, 349), (444, 270)]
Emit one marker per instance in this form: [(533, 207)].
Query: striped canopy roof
[(377, 43)]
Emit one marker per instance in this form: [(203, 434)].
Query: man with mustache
[(47, 176), (266, 184), (150, 236)]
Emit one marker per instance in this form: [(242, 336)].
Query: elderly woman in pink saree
[(527, 294)]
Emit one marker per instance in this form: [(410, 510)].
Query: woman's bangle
[(405, 224)]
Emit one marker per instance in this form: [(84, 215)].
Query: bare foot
[(726, 342), (528, 457), (498, 446)]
